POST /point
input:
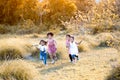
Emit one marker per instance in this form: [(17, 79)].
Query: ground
[(93, 65)]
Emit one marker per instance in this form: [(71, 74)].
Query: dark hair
[(68, 35), (50, 33), (72, 37), (43, 41)]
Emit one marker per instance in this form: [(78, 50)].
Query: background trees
[(52, 12), (12, 11)]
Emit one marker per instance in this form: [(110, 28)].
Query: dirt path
[(93, 65)]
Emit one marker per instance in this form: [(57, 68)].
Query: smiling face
[(72, 39), (49, 37), (42, 42), (67, 37)]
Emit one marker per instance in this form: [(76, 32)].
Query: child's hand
[(35, 45), (79, 42)]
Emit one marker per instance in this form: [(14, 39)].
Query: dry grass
[(18, 70), (115, 74), (61, 49), (84, 46), (93, 63), (15, 48)]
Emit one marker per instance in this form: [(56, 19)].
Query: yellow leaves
[(14, 10)]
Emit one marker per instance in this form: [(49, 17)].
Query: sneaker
[(46, 64), (70, 61), (56, 58), (42, 62), (73, 62), (53, 62)]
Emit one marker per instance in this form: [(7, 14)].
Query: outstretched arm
[(79, 42)]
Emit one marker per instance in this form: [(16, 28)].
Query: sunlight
[(40, 0), (97, 1)]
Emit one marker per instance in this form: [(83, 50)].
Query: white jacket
[(73, 48)]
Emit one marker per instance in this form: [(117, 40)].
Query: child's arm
[(78, 43), (46, 49), (55, 43), (36, 45)]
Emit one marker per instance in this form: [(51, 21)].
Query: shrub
[(3, 29), (15, 48), (115, 74), (10, 53), (18, 70), (84, 46), (61, 50)]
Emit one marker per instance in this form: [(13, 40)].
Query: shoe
[(56, 58), (73, 62), (70, 61), (53, 62), (46, 64)]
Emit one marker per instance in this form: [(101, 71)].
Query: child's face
[(49, 37), (67, 38), (42, 43), (71, 39)]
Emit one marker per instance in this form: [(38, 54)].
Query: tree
[(12, 11), (60, 9)]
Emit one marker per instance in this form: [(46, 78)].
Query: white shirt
[(42, 48), (73, 48)]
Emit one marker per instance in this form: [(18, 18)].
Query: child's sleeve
[(39, 46), (46, 49)]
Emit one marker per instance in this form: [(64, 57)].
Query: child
[(43, 51), (52, 47), (68, 46), (73, 49)]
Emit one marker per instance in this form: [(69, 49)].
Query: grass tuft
[(18, 70)]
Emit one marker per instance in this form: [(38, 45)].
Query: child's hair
[(68, 35), (43, 42), (50, 33), (72, 37)]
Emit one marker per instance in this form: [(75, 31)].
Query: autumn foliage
[(50, 13)]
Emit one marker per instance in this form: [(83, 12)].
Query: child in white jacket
[(73, 49)]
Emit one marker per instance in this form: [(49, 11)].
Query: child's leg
[(45, 58), (77, 56), (52, 58), (55, 56), (73, 58), (70, 57), (40, 56)]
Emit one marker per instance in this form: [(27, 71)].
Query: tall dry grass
[(18, 70), (61, 49), (115, 74), (13, 48)]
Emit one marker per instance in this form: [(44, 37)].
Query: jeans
[(43, 57), (73, 56), (70, 56)]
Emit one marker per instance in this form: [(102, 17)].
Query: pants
[(43, 57), (70, 57), (75, 56)]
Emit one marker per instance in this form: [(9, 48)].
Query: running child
[(73, 49), (43, 51), (68, 46), (51, 47)]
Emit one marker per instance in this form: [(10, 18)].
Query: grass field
[(96, 61)]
